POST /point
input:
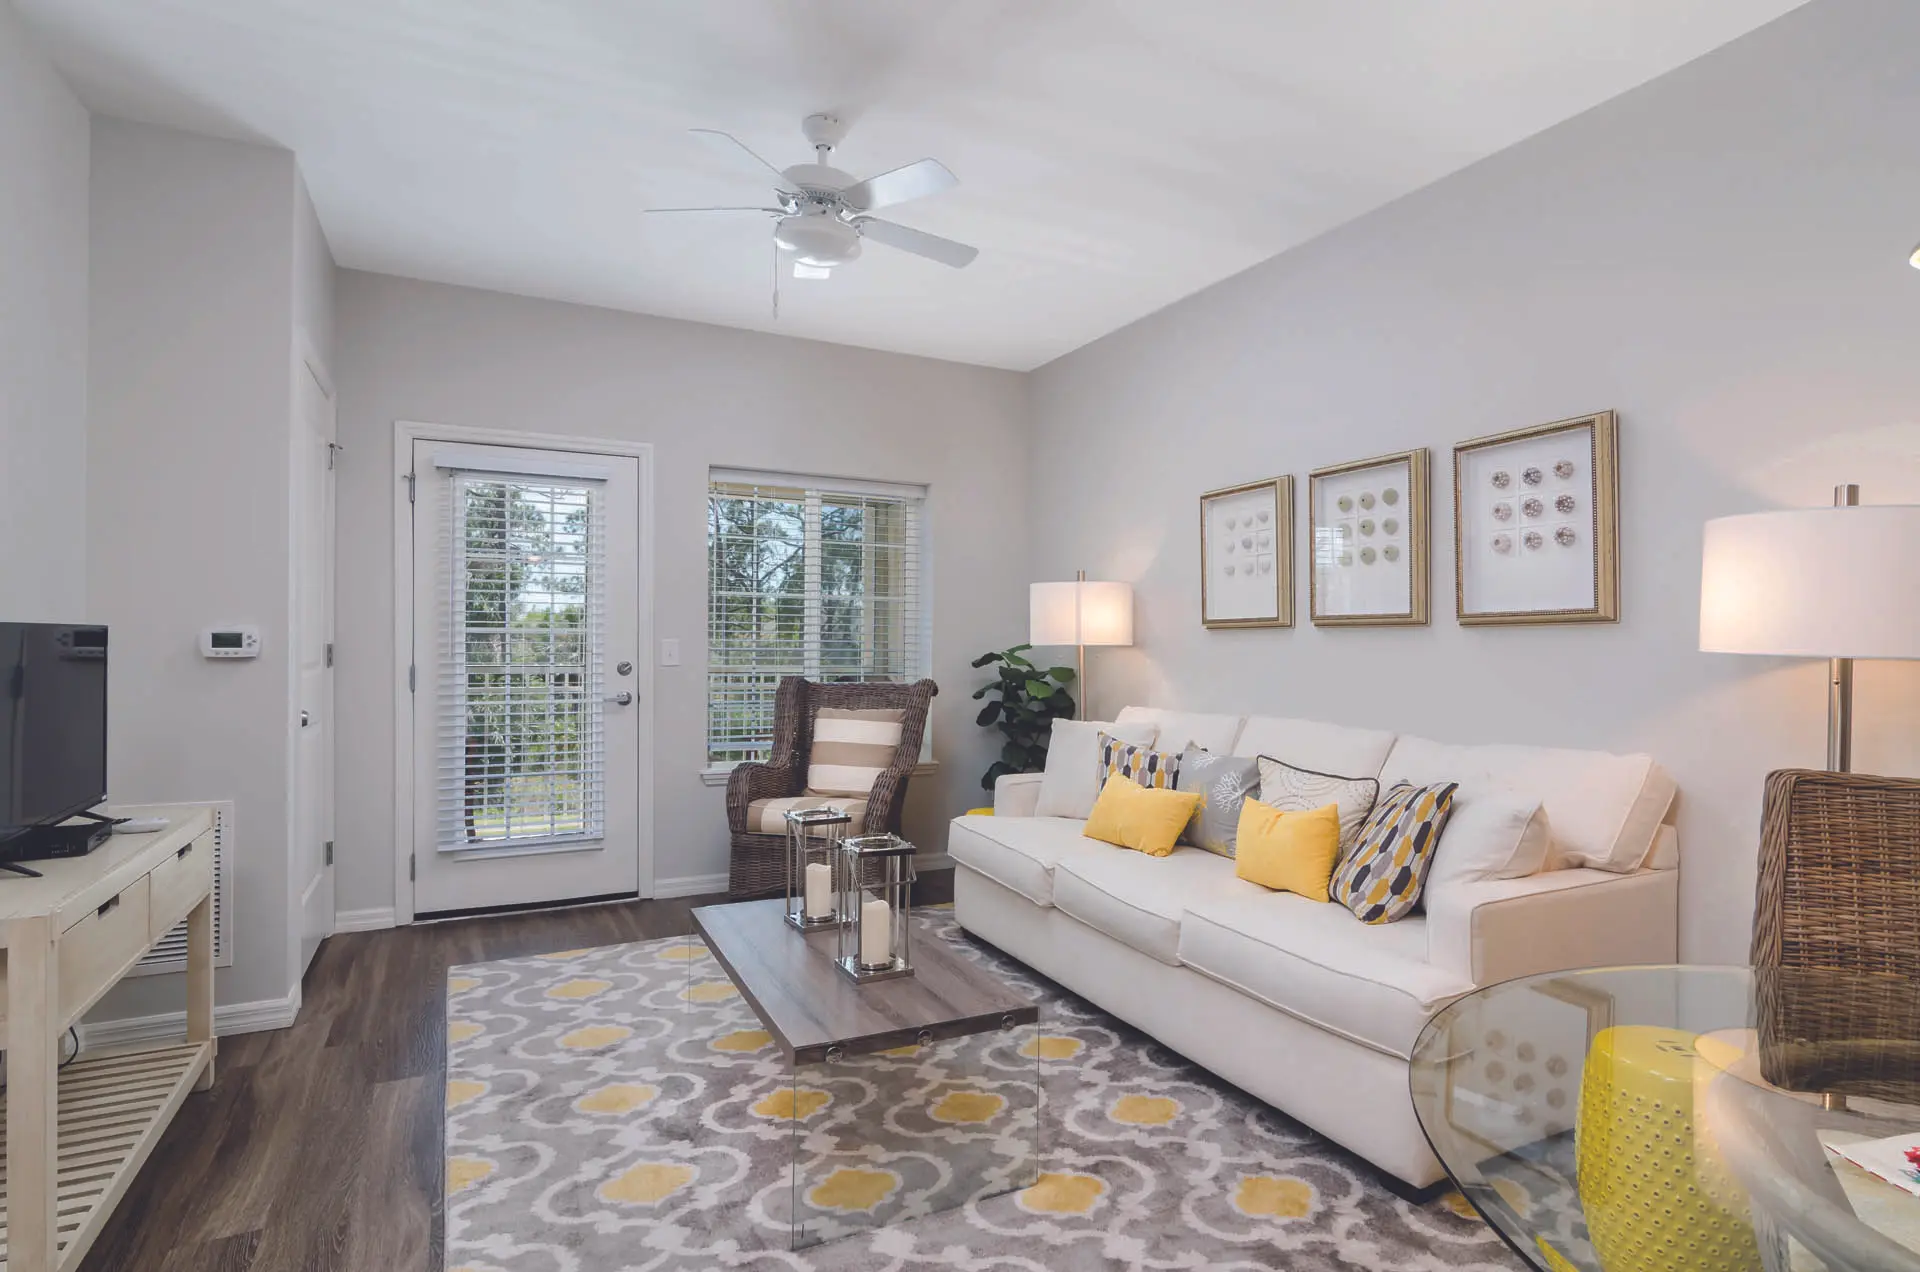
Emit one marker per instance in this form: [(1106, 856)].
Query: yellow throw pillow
[(1288, 852), (1145, 819)]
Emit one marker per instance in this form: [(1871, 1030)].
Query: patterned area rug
[(621, 1109)]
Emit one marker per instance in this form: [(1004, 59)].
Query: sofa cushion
[(1317, 962), (1072, 779), (1605, 809), (1308, 744), (1139, 900), (1020, 852), (1182, 729)]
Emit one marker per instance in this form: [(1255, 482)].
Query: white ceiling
[(1114, 155)]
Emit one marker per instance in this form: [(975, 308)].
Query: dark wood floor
[(319, 1147), (318, 1150)]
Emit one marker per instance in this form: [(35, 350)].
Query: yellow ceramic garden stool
[(1657, 1196)]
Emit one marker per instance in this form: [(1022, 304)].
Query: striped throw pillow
[(851, 749), (1143, 765)]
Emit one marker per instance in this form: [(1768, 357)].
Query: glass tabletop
[(1653, 1119)]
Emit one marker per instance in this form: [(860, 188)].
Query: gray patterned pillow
[(1224, 782), (1298, 790)]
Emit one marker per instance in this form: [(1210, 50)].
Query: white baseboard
[(689, 885), (378, 919), (233, 1018)]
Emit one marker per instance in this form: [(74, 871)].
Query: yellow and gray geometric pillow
[(1150, 768), (1380, 880)]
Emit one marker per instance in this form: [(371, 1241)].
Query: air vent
[(169, 954)]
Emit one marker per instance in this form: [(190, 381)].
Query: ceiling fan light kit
[(824, 214)]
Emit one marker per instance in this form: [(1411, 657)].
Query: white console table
[(76, 1136)]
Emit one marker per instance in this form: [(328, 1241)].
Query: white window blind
[(805, 578), (520, 727)]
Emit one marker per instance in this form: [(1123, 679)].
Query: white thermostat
[(230, 642)]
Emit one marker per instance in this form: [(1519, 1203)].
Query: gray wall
[(702, 396), (193, 303), (43, 335), (1719, 255)]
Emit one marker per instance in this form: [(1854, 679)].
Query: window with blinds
[(520, 755), (805, 578)]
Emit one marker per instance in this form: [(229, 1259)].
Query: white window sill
[(718, 775)]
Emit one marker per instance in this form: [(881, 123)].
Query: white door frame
[(405, 434)]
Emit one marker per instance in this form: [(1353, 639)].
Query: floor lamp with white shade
[(1080, 613), (1839, 583)]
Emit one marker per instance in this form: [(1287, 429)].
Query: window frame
[(816, 488)]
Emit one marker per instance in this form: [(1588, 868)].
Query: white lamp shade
[(1080, 614), (1813, 583)]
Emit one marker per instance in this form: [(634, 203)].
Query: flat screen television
[(53, 723)]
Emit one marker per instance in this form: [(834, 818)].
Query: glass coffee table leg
[(805, 1085)]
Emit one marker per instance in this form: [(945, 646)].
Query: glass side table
[(1667, 1119)]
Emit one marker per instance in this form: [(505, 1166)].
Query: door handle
[(621, 699), (305, 719)]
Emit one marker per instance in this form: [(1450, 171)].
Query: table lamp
[(1080, 614), (1838, 583)]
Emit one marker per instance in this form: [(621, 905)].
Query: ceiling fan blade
[(919, 242), (915, 181), (773, 211), (732, 146)]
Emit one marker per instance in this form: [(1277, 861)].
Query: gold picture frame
[(1536, 524), (1355, 561), (1264, 544)]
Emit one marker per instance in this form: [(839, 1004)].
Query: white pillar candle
[(876, 932), (819, 890)]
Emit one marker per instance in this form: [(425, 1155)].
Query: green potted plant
[(1023, 702)]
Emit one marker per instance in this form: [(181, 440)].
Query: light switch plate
[(669, 652)]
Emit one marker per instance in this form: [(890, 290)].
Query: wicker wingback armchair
[(758, 866), (1838, 892)]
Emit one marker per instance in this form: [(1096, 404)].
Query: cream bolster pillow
[(852, 748), (1072, 778), (1491, 834), (1606, 809)]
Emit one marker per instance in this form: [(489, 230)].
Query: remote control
[(141, 826)]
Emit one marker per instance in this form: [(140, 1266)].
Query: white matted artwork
[(1369, 526), (1536, 524), (1246, 555)]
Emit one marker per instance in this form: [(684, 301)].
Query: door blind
[(520, 723), (805, 580)]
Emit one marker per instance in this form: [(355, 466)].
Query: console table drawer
[(95, 951), (178, 884)]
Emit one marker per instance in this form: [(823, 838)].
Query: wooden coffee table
[(873, 1108), (812, 1009)]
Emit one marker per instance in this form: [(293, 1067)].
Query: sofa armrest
[(1016, 794), (749, 782), (1496, 929)]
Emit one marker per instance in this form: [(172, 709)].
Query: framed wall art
[(1369, 529), (1246, 555), (1536, 534)]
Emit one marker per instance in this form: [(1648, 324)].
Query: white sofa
[(1298, 1002)]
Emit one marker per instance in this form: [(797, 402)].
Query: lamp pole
[(1080, 669), (1840, 677)]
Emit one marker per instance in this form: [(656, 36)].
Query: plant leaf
[(1019, 649), (984, 659), (988, 714), (1062, 674), (1039, 688)]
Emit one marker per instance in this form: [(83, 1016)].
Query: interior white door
[(311, 854), (526, 709)]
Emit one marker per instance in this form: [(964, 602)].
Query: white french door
[(526, 707)]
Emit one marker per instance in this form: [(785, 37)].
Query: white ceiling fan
[(824, 213)]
